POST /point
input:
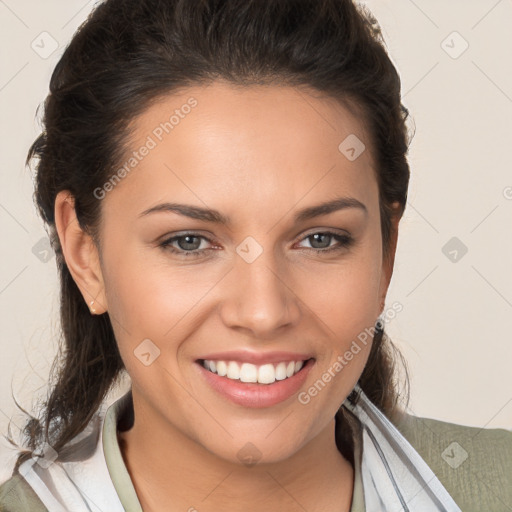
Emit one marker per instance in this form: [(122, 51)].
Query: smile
[(247, 372), (279, 381)]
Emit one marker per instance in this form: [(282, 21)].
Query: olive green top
[(473, 464)]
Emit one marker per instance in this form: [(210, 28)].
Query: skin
[(257, 154)]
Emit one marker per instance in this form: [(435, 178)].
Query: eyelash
[(344, 241)]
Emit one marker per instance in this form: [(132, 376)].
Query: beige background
[(454, 328)]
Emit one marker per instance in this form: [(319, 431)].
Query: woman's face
[(257, 283)]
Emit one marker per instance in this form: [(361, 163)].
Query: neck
[(167, 467)]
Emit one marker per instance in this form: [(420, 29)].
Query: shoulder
[(16, 495), (474, 464)]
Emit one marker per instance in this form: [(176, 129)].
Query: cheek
[(151, 300), (347, 306), (346, 296), (346, 311), (146, 295)]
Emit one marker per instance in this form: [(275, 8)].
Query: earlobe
[(80, 253)]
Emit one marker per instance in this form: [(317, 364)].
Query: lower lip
[(250, 394)]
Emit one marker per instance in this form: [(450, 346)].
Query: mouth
[(254, 386), (265, 374)]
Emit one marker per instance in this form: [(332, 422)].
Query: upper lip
[(257, 358)]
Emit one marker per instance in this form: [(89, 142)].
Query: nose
[(258, 299)]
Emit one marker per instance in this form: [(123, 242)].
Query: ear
[(389, 262), (80, 253)]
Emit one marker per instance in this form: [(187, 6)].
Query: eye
[(188, 244), (321, 241)]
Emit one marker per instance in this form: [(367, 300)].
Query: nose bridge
[(259, 297)]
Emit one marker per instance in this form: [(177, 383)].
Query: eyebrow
[(214, 216)]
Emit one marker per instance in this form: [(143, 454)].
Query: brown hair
[(129, 53)]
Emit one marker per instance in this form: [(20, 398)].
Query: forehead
[(253, 141)]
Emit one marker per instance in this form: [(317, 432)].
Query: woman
[(223, 183)]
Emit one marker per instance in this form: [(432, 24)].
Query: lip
[(257, 358), (255, 395)]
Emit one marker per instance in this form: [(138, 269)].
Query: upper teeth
[(247, 372)]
